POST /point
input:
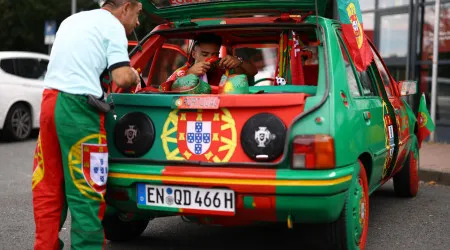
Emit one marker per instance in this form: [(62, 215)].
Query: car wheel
[(117, 229), (350, 230), (406, 182), (18, 123)]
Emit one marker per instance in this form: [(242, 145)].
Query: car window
[(383, 73), (28, 68), (43, 64), (366, 83), (7, 65), (365, 78), (351, 79), (263, 58), (168, 60)]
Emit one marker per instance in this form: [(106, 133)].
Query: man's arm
[(125, 76), (247, 69), (117, 58), (239, 67)]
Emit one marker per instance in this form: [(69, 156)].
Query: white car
[(21, 87)]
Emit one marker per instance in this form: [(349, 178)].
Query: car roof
[(22, 54)]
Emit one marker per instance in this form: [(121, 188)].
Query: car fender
[(12, 93)]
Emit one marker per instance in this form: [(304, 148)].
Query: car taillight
[(313, 152)]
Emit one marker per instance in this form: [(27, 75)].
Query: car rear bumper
[(308, 196)]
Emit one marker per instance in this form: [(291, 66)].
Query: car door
[(372, 132), (401, 123)]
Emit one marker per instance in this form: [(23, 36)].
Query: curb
[(442, 178)]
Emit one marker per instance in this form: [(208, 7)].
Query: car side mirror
[(408, 88)]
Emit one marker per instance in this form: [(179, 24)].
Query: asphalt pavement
[(419, 223)]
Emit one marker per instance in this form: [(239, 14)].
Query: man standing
[(71, 156)]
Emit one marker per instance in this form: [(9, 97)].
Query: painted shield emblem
[(422, 119), (198, 137), (95, 166), (205, 135), (356, 24), (390, 144)]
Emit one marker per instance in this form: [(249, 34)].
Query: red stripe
[(226, 173), (102, 206), (102, 127), (48, 194), (187, 211)]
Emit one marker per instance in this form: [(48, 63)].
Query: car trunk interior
[(297, 64)]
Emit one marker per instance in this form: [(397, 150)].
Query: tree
[(22, 22)]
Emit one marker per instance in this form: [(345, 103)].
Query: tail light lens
[(313, 152)]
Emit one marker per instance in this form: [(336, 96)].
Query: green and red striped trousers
[(70, 172)]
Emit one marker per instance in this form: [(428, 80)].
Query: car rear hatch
[(178, 10), (232, 130)]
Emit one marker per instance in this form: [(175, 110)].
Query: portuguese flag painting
[(353, 29), (426, 125)]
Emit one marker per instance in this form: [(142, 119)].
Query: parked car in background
[(21, 86)]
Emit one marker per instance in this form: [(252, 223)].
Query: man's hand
[(199, 68), (138, 78), (229, 62)]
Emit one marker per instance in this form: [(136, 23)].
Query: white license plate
[(220, 200)]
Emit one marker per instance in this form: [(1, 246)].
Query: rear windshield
[(281, 57)]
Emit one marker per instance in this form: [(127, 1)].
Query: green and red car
[(307, 149)]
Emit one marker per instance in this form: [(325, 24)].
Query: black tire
[(340, 234), (406, 182), (18, 123), (119, 230)]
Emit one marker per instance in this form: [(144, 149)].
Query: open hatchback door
[(178, 10)]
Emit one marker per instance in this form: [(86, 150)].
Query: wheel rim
[(361, 211), (21, 123)]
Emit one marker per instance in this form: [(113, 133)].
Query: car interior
[(274, 52)]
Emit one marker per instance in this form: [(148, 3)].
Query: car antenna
[(317, 18), (317, 14)]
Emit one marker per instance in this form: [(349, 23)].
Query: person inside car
[(205, 51)]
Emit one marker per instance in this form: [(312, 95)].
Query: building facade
[(403, 32)]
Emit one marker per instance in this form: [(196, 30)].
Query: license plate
[(196, 102), (218, 200)]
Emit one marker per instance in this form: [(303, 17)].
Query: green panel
[(248, 202), (157, 208), (156, 114), (154, 100), (316, 208), (311, 90), (330, 174), (136, 169), (345, 121), (167, 10), (312, 209), (133, 169), (337, 173)]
